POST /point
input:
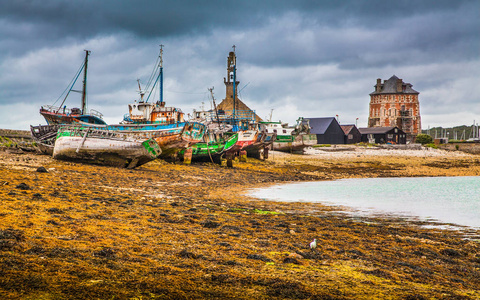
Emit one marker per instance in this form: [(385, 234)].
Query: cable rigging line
[(70, 84)]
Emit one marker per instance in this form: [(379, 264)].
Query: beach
[(174, 231)]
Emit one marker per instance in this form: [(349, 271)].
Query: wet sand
[(172, 231)]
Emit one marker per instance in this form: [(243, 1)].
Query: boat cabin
[(146, 112)]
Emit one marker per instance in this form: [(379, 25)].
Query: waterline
[(445, 199)]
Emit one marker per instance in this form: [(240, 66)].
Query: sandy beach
[(174, 231)]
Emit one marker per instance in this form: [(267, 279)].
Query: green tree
[(424, 139)]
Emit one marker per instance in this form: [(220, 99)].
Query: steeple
[(231, 65)]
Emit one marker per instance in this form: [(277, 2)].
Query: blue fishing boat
[(145, 121)]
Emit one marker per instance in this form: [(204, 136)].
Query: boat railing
[(80, 131), (227, 115), (55, 109), (96, 113)]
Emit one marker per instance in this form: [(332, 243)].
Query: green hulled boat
[(213, 149)]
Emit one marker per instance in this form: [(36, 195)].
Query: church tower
[(233, 106), (231, 65)]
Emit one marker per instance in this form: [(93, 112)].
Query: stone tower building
[(395, 103), (243, 113)]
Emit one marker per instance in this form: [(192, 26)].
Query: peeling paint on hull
[(245, 138), (118, 150)]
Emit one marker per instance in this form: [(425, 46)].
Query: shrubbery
[(424, 139)]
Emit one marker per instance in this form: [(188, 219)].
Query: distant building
[(235, 108), (352, 134), (328, 130), (383, 135), (395, 103)]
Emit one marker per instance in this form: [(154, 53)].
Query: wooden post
[(230, 160), (187, 156), (265, 153)]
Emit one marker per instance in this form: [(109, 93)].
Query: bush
[(431, 145), (424, 139)]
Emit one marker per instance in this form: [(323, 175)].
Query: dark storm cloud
[(55, 19)]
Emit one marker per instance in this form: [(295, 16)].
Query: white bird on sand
[(313, 244)]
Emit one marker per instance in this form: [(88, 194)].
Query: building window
[(390, 136)]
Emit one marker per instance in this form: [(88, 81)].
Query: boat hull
[(104, 148), (245, 139), (44, 136), (257, 148), (170, 137), (179, 138), (59, 116), (212, 151), (294, 143)]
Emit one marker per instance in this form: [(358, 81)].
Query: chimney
[(379, 85), (399, 85)]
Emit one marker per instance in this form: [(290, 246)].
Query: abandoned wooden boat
[(127, 149), (57, 115), (245, 138), (291, 139), (258, 148), (44, 137), (166, 125), (213, 149)]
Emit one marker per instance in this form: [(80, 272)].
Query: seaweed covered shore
[(173, 231)]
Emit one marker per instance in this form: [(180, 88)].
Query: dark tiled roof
[(320, 125), (390, 87), (375, 130)]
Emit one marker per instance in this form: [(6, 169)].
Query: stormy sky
[(297, 58)]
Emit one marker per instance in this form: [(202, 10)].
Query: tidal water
[(440, 199)]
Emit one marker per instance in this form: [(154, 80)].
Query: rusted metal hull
[(96, 146)]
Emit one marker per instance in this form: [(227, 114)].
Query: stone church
[(230, 105), (395, 103)]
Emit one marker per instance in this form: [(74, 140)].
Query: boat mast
[(84, 90), (234, 81), (215, 107), (161, 73), (142, 93)]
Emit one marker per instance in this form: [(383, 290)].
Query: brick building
[(395, 103)]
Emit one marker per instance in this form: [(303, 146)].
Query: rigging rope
[(152, 75), (74, 79), (71, 87)]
